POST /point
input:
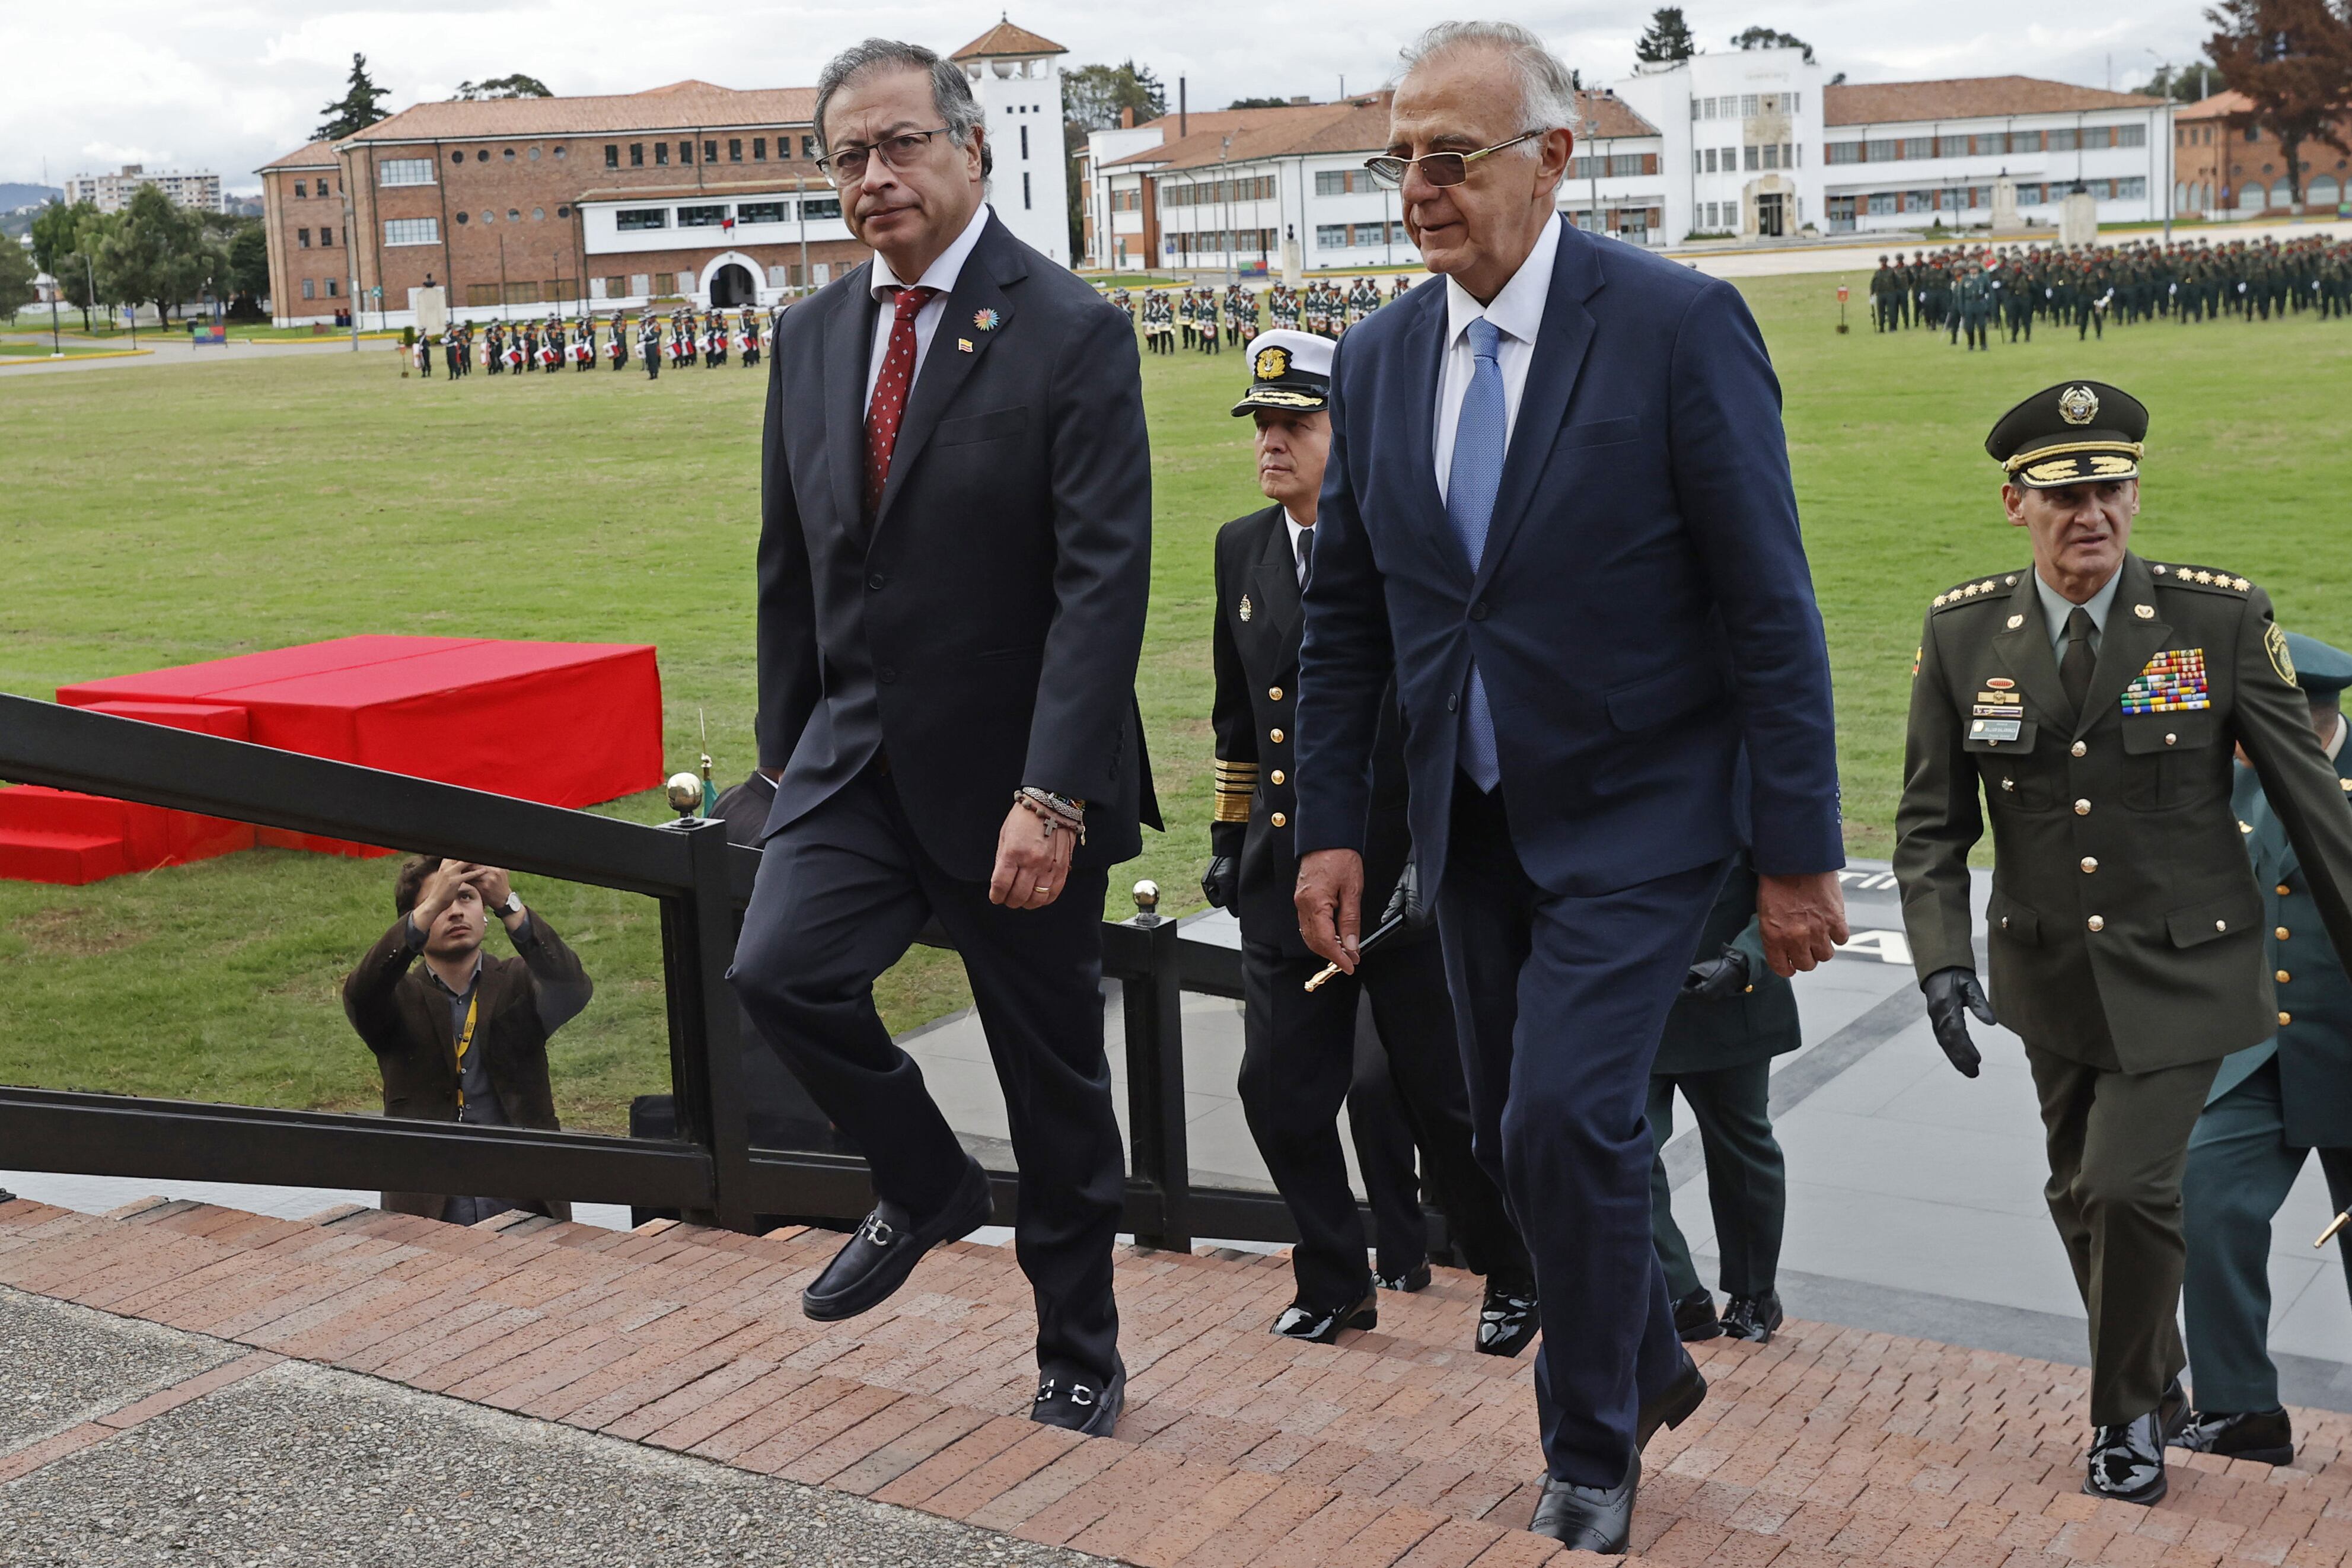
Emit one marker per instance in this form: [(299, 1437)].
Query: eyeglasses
[(847, 165), (1437, 168)]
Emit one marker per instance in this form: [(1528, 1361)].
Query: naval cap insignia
[(2078, 405), (1271, 363)]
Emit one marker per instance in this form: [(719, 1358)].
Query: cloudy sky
[(228, 86)]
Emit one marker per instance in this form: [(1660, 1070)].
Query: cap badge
[(2078, 405), (1272, 364), (986, 322)]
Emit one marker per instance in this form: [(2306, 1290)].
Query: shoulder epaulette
[(2212, 582), (1972, 590)]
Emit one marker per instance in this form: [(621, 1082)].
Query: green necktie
[(2074, 668)]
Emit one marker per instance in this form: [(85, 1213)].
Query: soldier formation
[(1207, 320), (1979, 291), (685, 337)]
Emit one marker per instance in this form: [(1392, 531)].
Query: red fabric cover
[(156, 836), (65, 837), (571, 724)]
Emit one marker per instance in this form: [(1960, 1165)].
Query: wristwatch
[(513, 906)]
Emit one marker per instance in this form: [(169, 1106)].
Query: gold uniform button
[(1274, 694), (2282, 934), (2284, 977), (2081, 807), (2090, 863), (1279, 820), (2283, 890), (2079, 749), (2286, 1018), (2096, 923), (1275, 735), (1278, 776)]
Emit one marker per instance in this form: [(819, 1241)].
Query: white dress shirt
[(1297, 532), (941, 275), (1517, 313), (2057, 610)]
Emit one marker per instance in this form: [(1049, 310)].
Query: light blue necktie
[(1481, 432)]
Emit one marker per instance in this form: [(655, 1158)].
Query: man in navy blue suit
[(1557, 510)]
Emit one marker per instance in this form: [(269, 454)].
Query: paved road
[(174, 349)]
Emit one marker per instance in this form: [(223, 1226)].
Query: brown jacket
[(404, 1017)]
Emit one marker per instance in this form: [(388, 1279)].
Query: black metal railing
[(711, 1173)]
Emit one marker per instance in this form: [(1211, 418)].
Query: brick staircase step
[(1830, 1445)]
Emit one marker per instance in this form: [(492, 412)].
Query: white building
[(1017, 78), (112, 192), (1903, 156), (1741, 137)]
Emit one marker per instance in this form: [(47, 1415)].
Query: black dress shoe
[(2126, 1462), (1752, 1317), (1406, 1280), (1507, 1319), (1695, 1317), (1673, 1406), (2265, 1436), (1081, 1404), (883, 1251), (1589, 1519), (1321, 1325)]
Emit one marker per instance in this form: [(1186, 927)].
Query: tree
[(1772, 39), (356, 109), (54, 229), (2181, 84), (157, 252), (248, 266), (1667, 38), (16, 279), (1259, 104), (515, 86), (2293, 59)]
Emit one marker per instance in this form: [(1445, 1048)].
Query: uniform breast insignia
[(1246, 609), (1997, 730), (2275, 645), (1998, 702), (2172, 682)]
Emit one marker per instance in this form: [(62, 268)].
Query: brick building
[(2227, 165), (706, 194)]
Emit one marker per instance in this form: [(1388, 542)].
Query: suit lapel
[(2023, 649), (1274, 581), (1424, 354), (1553, 365), (2126, 644), (947, 363), (848, 346)]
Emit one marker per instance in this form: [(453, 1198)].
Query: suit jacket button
[(1279, 776), (2283, 890), (1478, 611), (1279, 820), (2284, 977), (1275, 735), (1451, 701), (2096, 923), (875, 580), (2082, 808), (2282, 934), (886, 674), (2079, 749), (2090, 863), (2286, 1018), (1274, 694)]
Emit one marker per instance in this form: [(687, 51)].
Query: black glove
[(1222, 884), (1949, 991), (1715, 979), (1405, 902)]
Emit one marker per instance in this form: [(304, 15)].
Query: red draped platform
[(567, 724)]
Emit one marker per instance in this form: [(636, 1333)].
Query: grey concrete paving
[(62, 1365), (303, 1465)]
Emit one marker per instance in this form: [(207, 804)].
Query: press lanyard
[(464, 1040)]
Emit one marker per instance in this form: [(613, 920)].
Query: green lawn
[(276, 501)]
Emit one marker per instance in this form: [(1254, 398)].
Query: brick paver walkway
[(1828, 1446)]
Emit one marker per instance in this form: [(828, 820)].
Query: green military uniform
[(2271, 1105), (1719, 1053), (2126, 927)]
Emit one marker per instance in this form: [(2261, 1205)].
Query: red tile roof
[(316, 155), (2220, 106), (1004, 38), (1351, 125), (680, 106), (1967, 98)]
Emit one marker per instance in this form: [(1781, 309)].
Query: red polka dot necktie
[(889, 404)]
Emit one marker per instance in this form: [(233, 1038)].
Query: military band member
[(2272, 1106), (649, 344), (453, 352), (1298, 1055), (420, 354), (616, 349), (1734, 1016), (2093, 696)]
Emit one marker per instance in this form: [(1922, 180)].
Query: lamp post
[(56, 344)]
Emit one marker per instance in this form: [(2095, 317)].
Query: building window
[(1748, 105), (534, 155), (330, 289), (2131, 135), (458, 156), (1025, 190), (628, 218), (686, 152), (514, 215), (483, 156), (1881, 203), (701, 217), (1882, 150), (808, 146), (710, 151), (641, 283), (310, 288), (686, 282), (481, 293), (820, 206), (558, 154), (1024, 144), (2132, 188), (463, 217), (564, 211), (302, 239), (489, 217), (1331, 237), (612, 155), (302, 190), (538, 215), (661, 153), (735, 149), (636, 154), (1771, 156), (1951, 146), (1845, 151), (1748, 156), (759, 149), (326, 237), (508, 153), (759, 212), (779, 278), (1919, 146), (2062, 139), (412, 231)]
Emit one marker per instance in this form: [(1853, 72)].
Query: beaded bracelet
[(1054, 810)]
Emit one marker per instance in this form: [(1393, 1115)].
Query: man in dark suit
[(954, 562), (1299, 1047), (1559, 512)]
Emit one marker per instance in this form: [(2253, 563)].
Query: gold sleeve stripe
[(1232, 808)]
